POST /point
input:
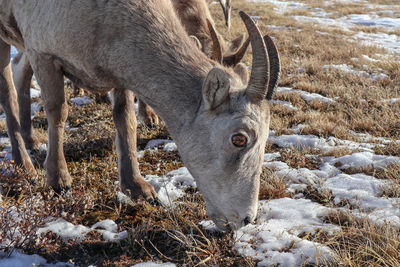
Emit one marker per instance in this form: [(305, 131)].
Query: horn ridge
[(259, 78), (274, 65)]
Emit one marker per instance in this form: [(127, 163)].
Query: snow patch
[(35, 93), (309, 97), (81, 101), (274, 240), (283, 6), (17, 259), (171, 186), (170, 147), (350, 69), (315, 142), (271, 156), (286, 104), (156, 142), (364, 159), (362, 192), (68, 231)]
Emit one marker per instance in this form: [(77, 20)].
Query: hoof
[(150, 121), (29, 168), (147, 115), (62, 190), (26, 165), (59, 180), (32, 143), (150, 125), (154, 202), (140, 189)]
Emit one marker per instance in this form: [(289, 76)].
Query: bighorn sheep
[(199, 24), (226, 8), (218, 119), (196, 18)]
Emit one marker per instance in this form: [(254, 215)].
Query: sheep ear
[(215, 88), (196, 41), (241, 70)]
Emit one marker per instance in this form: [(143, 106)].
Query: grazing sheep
[(217, 118)]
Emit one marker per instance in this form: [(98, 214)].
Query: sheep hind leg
[(51, 81), (22, 73), (9, 102)]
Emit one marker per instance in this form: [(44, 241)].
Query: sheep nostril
[(246, 221)]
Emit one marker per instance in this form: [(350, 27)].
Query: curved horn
[(217, 48), (233, 60), (274, 66), (226, 7), (259, 79)]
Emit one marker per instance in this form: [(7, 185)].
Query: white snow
[(35, 93), (283, 6), (13, 52), (17, 259), (286, 104), (271, 156), (109, 230), (170, 147), (368, 138), (274, 240), (298, 128), (171, 186), (392, 101), (35, 107), (68, 231), (373, 20), (315, 142), (156, 142), (390, 42), (209, 226), (367, 58), (82, 100), (365, 159), (309, 97), (350, 69), (362, 192)]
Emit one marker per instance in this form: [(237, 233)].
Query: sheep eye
[(239, 140)]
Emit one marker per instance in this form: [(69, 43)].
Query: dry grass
[(272, 187), (362, 243)]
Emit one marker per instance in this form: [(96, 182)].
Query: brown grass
[(362, 243), (272, 187)]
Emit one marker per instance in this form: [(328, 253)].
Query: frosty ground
[(331, 166)]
